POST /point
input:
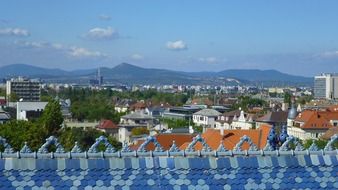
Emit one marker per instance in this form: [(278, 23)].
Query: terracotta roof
[(138, 105), (232, 113), (165, 140), (314, 119), (232, 137), (204, 101), (107, 124), (329, 133), (333, 108)]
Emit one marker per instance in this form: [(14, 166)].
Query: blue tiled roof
[(239, 172), (224, 169)]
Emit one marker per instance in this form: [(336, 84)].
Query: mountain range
[(125, 73)]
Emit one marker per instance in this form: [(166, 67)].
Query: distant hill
[(262, 75), (125, 73), (33, 71), (135, 74)]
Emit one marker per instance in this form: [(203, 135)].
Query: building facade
[(206, 117), (24, 89), (326, 86), (312, 124)]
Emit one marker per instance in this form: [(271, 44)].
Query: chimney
[(221, 130)]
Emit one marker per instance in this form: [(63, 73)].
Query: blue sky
[(296, 37)]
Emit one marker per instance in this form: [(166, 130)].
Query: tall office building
[(326, 86), (25, 89)]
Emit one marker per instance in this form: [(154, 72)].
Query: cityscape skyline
[(183, 36)]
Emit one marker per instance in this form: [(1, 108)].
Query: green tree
[(320, 143), (139, 131), (13, 97), (19, 132), (181, 123), (287, 98), (85, 138), (245, 102), (52, 117)]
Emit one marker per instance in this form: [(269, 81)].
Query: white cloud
[(14, 32), (82, 52), (104, 17), (209, 60), (329, 54), (137, 56), (102, 33), (27, 44), (177, 45)]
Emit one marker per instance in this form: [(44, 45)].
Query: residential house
[(4, 116), (123, 105), (138, 106), (244, 121), (206, 117), (108, 127), (312, 124), (29, 110), (224, 121), (156, 111), (130, 121), (275, 118)]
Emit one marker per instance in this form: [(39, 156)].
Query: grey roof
[(292, 112), (137, 115), (274, 117), (180, 130), (4, 115), (208, 112)]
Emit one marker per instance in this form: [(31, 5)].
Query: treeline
[(88, 104), (50, 124), (246, 102)]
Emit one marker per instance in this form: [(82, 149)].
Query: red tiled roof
[(333, 108), (107, 124), (329, 133), (232, 137), (314, 119), (2, 102), (138, 105), (165, 140)]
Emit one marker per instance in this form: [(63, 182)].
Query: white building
[(206, 117), (26, 110), (311, 124), (133, 120), (242, 122), (326, 86), (24, 89)]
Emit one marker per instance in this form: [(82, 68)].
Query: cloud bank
[(176, 45), (101, 34), (19, 32)]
